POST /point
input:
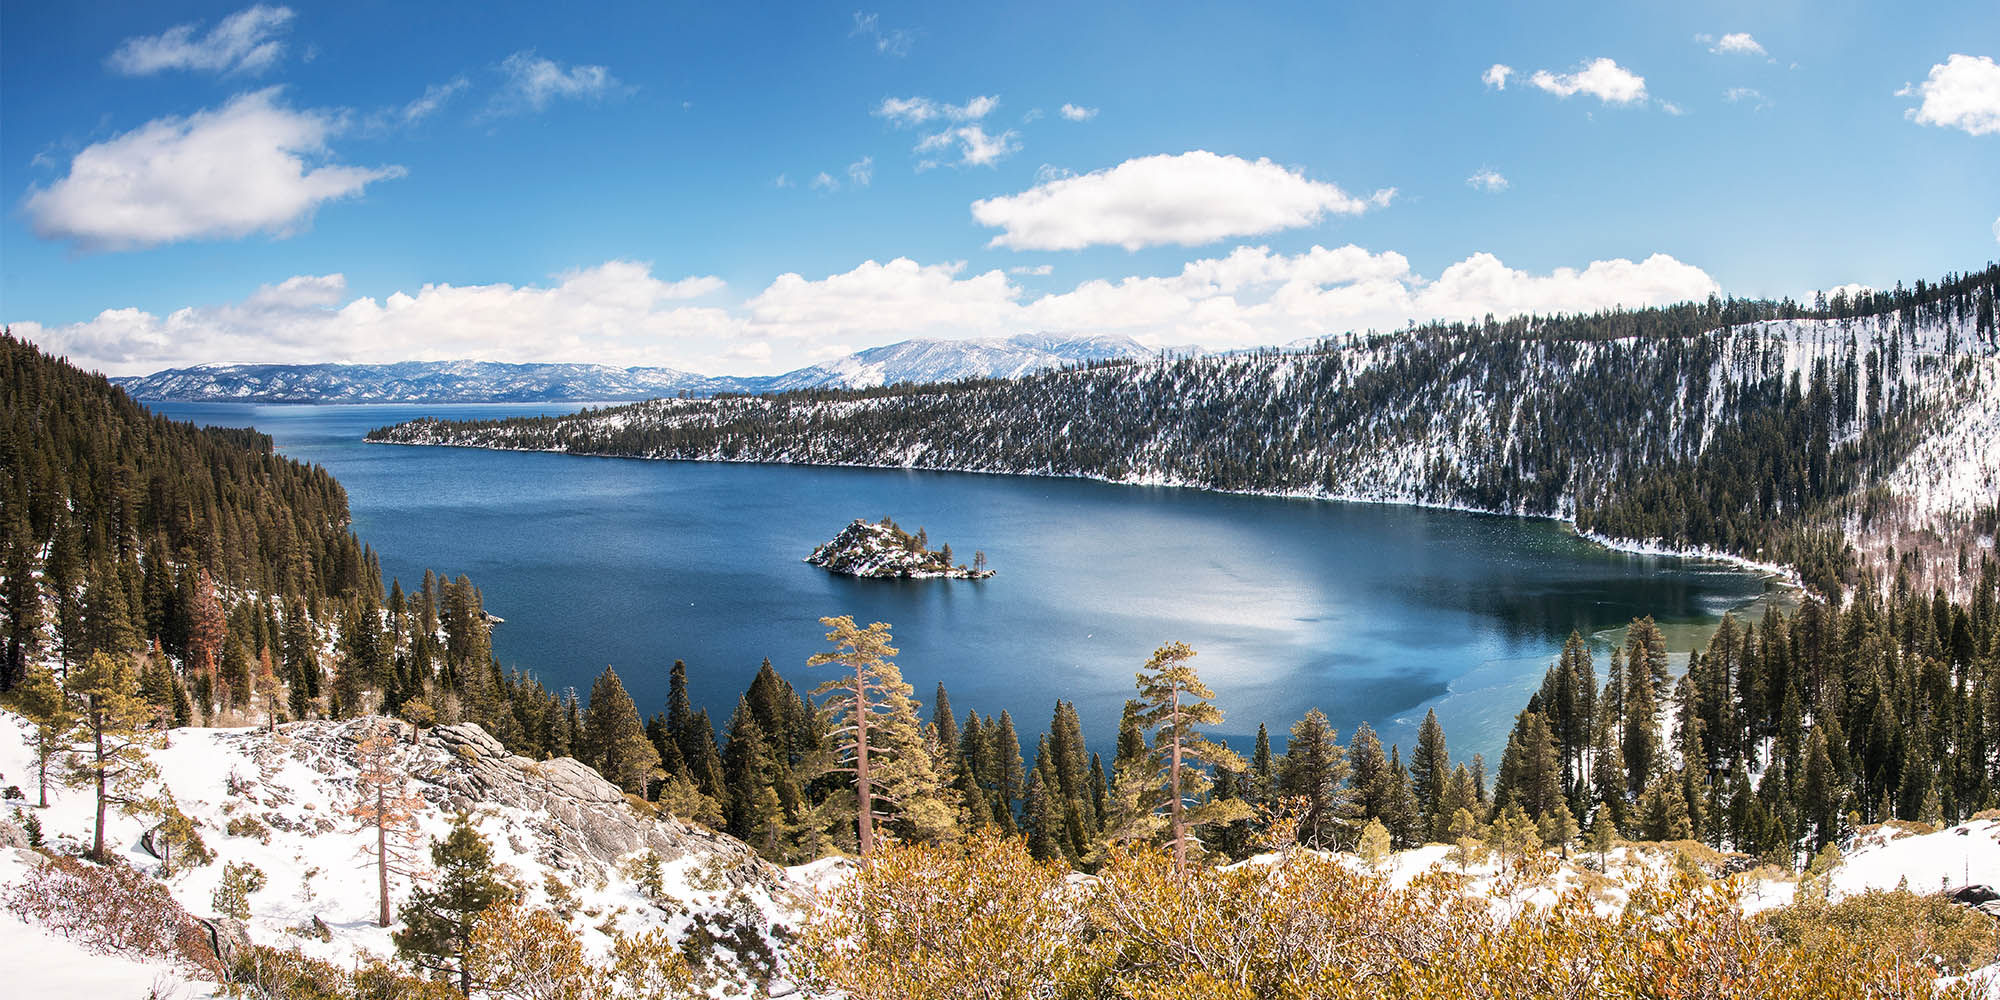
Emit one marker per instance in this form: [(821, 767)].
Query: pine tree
[(385, 804), (1374, 844), (1009, 776), (1403, 817), (1819, 793), (438, 920), (1370, 779), (1559, 827), (1175, 702), (20, 599), (1607, 774), (1663, 810), (613, 740), (1428, 773), (1642, 743), (1314, 769), (748, 770), (1530, 773), (874, 688), (1040, 818), (110, 739), (39, 699), (207, 630)]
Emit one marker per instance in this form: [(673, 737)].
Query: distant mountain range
[(913, 361)]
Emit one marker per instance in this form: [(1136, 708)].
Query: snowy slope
[(298, 783)]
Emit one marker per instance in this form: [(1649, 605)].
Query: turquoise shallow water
[(1368, 612)]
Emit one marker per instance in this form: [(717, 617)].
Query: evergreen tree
[(1040, 821), (1663, 810), (871, 695), (1530, 772), (1370, 779), (613, 740), (1607, 773), (438, 920), (37, 698), (1401, 812), (110, 739), (1176, 701), (1642, 743), (1313, 770), (385, 804), (1429, 766), (20, 599), (1009, 777)]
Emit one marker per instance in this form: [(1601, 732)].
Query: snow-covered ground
[(289, 793), (298, 783)]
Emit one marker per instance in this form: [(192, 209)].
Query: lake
[(1368, 612)]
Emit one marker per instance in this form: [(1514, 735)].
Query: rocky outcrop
[(561, 811), (884, 551), (583, 818)]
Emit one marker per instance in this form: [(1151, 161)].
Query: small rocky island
[(881, 550)]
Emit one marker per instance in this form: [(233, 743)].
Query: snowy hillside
[(496, 382), (280, 801), (920, 361), (1760, 422)]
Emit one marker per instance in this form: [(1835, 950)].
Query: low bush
[(1946, 937), (112, 909)]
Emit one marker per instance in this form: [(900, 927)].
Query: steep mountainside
[(495, 382), (1722, 427)]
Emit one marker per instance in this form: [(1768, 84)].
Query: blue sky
[(732, 188)]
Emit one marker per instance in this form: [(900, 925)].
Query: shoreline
[(1784, 576)]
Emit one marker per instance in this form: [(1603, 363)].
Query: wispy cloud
[(973, 145), (532, 83), (1487, 179), (1078, 113), (861, 171), (889, 42), (435, 97), (1496, 76), (244, 42), (1735, 43), (1747, 95)]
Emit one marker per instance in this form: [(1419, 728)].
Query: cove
[(1368, 612)]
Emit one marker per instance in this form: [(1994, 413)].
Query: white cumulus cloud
[(251, 165), (1487, 179), (1078, 113), (1962, 92), (861, 171), (1188, 199), (243, 42), (1496, 76), (619, 313), (1601, 78)]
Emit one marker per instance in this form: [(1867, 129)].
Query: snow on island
[(884, 551)]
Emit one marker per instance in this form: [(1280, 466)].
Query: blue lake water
[(1368, 612)]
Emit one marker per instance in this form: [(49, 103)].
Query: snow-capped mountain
[(913, 361)]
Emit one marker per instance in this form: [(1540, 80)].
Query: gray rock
[(227, 938), (11, 834)]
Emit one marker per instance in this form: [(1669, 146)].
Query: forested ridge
[(1752, 428)]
